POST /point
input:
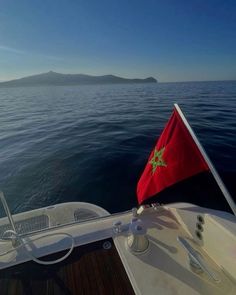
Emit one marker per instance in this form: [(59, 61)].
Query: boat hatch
[(84, 214)]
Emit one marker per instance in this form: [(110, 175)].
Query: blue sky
[(172, 40)]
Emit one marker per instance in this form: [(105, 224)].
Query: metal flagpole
[(208, 161)]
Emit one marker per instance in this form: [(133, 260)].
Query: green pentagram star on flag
[(157, 159)]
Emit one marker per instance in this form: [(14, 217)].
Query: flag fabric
[(174, 158)]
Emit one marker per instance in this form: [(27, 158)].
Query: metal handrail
[(8, 212)]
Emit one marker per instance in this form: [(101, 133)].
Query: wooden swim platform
[(89, 270)]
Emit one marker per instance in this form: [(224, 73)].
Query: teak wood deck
[(89, 270)]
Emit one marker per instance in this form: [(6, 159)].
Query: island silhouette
[(53, 78)]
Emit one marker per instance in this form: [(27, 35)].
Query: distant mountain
[(52, 78)]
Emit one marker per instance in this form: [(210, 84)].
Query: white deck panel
[(163, 269)]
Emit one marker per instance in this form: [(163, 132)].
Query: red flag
[(174, 158)]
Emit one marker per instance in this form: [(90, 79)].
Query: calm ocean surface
[(90, 143)]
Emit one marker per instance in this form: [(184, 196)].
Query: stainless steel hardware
[(196, 259)]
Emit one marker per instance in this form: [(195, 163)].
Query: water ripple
[(89, 143)]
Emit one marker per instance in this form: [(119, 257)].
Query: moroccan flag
[(174, 158)]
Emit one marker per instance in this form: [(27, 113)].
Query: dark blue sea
[(91, 143)]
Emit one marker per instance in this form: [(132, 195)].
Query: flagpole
[(208, 161)]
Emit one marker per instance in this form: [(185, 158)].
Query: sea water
[(90, 143)]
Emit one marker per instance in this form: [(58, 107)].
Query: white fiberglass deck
[(164, 268)]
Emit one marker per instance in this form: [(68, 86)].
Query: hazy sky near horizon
[(171, 40)]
